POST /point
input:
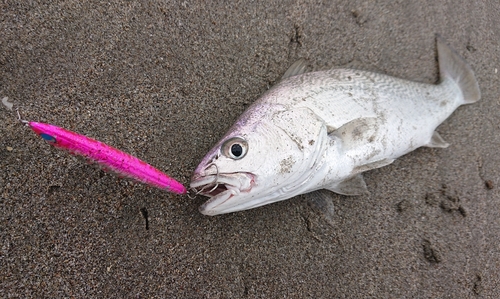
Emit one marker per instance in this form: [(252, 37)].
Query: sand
[(164, 81)]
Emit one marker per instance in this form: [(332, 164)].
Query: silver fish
[(321, 130)]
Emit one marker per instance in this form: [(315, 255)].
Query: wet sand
[(164, 82)]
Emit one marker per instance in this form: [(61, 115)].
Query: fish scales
[(321, 130)]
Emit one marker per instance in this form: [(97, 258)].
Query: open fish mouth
[(221, 188), (213, 190)]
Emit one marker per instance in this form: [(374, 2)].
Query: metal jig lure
[(105, 155)]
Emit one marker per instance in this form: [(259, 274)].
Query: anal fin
[(437, 141), (372, 165), (353, 186)]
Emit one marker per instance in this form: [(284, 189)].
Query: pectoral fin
[(437, 141), (353, 186), (357, 132)]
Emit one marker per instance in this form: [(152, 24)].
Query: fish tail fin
[(451, 65)]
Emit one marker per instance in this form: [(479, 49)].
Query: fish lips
[(221, 188)]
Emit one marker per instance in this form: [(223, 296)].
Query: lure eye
[(48, 138), (235, 148)]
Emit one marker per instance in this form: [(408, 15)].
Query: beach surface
[(164, 80)]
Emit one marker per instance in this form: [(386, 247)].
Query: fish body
[(109, 157), (321, 130)]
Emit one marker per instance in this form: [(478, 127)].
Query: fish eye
[(235, 148)]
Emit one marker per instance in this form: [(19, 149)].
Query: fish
[(322, 130), (107, 156)]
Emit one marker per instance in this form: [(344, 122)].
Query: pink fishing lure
[(107, 156)]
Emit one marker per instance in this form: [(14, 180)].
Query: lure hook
[(214, 182), (19, 118)]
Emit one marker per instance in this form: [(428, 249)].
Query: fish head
[(255, 165)]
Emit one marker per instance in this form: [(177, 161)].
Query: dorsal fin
[(299, 67)]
